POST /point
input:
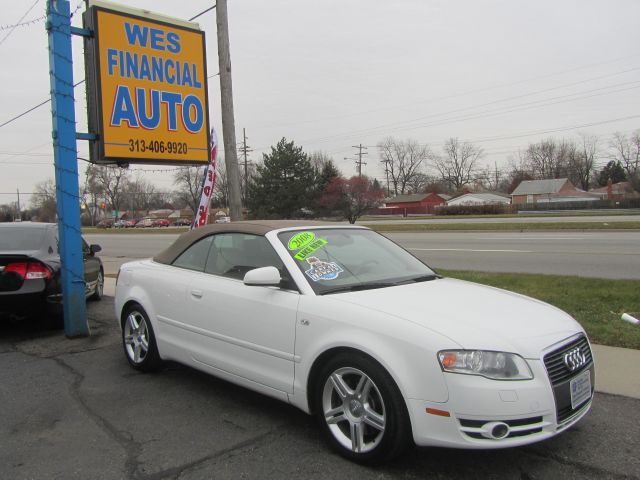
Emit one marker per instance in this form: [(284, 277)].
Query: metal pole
[(66, 166), (19, 211), (228, 122)]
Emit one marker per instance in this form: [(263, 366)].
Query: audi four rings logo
[(574, 359)]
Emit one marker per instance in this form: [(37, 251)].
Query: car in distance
[(106, 223), (346, 325), (182, 222), (160, 222), (224, 219), (30, 281)]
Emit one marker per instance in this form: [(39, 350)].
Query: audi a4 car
[(30, 282), (346, 325)]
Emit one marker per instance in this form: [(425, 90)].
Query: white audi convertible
[(346, 325)]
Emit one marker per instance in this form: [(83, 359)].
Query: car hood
[(474, 316)]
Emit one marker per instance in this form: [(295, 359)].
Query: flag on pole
[(208, 184)]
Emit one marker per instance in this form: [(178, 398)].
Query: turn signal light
[(439, 413), (449, 359)]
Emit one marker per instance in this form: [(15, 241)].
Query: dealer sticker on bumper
[(580, 389)]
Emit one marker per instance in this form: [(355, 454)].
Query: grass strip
[(519, 226), (596, 304)]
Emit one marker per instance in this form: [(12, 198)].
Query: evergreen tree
[(284, 184), (614, 171)]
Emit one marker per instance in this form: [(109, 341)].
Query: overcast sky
[(333, 74)]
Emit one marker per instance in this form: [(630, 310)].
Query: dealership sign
[(146, 87)]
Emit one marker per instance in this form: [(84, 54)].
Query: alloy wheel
[(136, 337), (354, 409)]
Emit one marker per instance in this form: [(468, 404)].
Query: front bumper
[(528, 411)]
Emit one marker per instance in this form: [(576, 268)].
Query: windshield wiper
[(421, 278), (358, 287)]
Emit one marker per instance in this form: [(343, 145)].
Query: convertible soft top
[(252, 227)]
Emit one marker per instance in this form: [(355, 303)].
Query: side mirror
[(264, 276), (95, 249)]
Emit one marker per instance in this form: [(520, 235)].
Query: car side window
[(234, 254), (195, 257)]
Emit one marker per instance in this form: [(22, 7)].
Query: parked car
[(120, 224), (30, 281), (130, 223), (348, 326), (106, 223), (223, 220), (160, 222), (145, 222), (182, 222)]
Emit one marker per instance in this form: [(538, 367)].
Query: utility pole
[(359, 161), (228, 122), (386, 172), (244, 149), (19, 211)]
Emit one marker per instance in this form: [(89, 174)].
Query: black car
[(30, 282)]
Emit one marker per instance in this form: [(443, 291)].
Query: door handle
[(196, 293)]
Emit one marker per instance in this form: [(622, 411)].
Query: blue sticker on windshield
[(322, 270)]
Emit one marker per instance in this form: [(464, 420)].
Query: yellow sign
[(149, 89)]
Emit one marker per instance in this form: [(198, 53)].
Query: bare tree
[(626, 150), (404, 160), (143, 195), (44, 200), (112, 180), (188, 181), (418, 183), (458, 164), (582, 162), (90, 191), (221, 189)]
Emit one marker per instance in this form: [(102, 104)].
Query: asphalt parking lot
[(74, 409)]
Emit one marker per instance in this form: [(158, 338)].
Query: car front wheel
[(139, 341), (361, 410)]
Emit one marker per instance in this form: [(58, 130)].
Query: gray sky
[(333, 74)]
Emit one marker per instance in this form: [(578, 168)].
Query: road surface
[(601, 254)]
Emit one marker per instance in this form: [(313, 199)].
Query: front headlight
[(494, 365)]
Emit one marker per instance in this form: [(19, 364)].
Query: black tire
[(98, 292), (369, 408), (138, 340)]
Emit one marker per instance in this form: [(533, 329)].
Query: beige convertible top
[(256, 227)]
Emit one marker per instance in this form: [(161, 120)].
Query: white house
[(479, 199)]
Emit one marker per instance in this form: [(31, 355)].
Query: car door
[(244, 331), (91, 268)]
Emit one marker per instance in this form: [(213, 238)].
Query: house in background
[(616, 192), (480, 199), (417, 200), (551, 190)]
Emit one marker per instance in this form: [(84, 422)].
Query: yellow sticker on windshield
[(309, 249), (300, 240)]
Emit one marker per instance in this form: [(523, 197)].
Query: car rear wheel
[(139, 341), (361, 410)]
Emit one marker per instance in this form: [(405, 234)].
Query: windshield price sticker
[(322, 270), (309, 249), (300, 240)]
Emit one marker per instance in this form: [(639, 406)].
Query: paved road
[(73, 409), (522, 219), (603, 254)]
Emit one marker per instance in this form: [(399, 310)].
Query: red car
[(161, 222)]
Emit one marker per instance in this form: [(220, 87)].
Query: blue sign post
[(66, 166)]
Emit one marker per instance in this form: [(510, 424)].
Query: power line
[(202, 12), (33, 108), (20, 20)]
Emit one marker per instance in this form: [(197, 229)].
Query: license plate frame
[(580, 389)]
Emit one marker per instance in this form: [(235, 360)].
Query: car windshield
[(342, 260), (21, 238)]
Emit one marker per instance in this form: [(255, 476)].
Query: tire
[(360, 409), (99, 290), (139, 341)]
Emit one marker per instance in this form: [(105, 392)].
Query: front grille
[(554, 361)]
